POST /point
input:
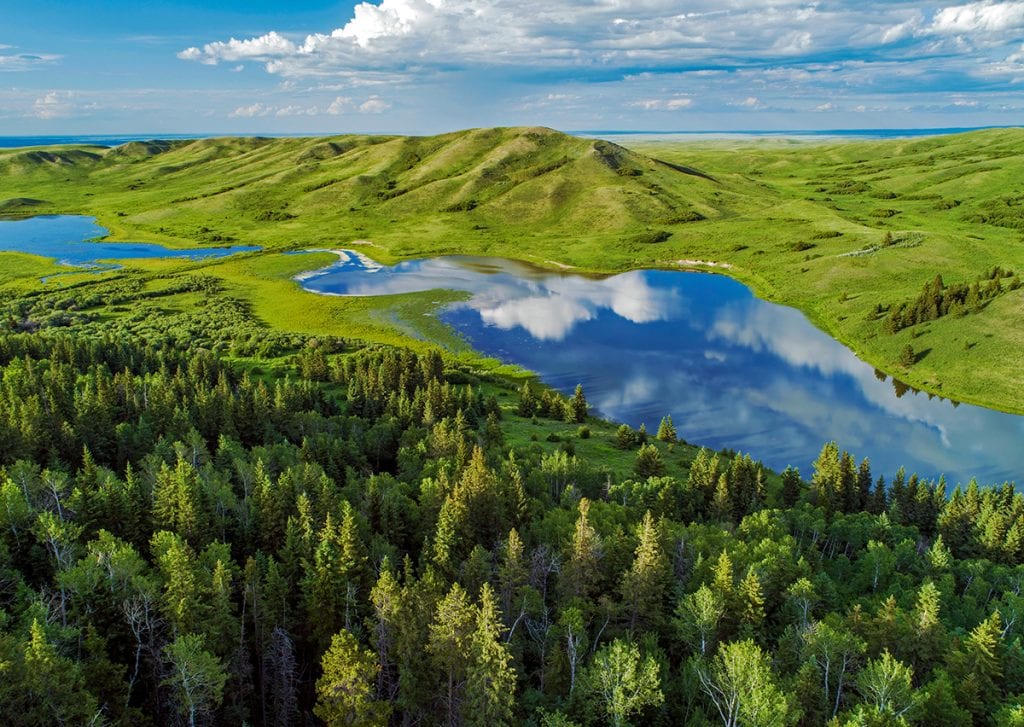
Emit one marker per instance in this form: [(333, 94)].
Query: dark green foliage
[(938, 299), (368, 535)]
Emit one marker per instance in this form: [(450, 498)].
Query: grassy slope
[(539, 195)]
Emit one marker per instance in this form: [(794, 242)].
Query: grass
[(801, 223)]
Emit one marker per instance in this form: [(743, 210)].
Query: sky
[(427, 66)]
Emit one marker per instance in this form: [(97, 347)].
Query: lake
[(733, 370), (73, 240)]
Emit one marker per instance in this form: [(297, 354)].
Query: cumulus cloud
[(589, 60), (374, 105), (413, 35), (339, 105)]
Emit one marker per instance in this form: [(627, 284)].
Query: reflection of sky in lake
[(68, 239), (733, 370)]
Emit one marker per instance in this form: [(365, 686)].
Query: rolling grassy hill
[(837, 230)]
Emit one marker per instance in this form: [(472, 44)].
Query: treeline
[(375, 541), (938, 299)]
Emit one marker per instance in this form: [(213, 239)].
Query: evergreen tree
[(345, 690), (491, 679), (666, 430), (644, 584)]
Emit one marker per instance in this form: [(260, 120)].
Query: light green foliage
[(697, 617), (491, 679), (196, 679), (885, 684), (345, 690), (624, 681), (740, 685)]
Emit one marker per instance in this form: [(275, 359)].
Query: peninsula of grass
[(843, 231)]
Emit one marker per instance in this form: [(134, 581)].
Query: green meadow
[(843, 231)]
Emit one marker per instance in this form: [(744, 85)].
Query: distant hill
[(523, 180)]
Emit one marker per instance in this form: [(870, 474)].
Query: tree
[(449, 647), (666, 430), (491, 679), (625, 437), (792, 486), (802, 594), (751, 603), (834, 650), (697, 617), (624, 682), (648, 462), (907, 356), (576, 411), (885, 684), (527, 401), (643, 585), (345, 691), (581, 570), (740, 685), (196, 679)]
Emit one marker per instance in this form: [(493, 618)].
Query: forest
[(371, 535)]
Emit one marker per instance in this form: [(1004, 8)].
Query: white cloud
[(411, 36), (374, 105), (54, 105), (339, 105), (269, 45), (979, 17), (293, 110), (251, 111), (663, 104)]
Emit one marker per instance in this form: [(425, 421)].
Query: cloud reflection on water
[(732, 370)]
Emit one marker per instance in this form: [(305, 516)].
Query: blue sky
[(423, 66)]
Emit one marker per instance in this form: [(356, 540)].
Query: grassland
[(803, 224)]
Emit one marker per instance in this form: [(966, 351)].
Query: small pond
[(733, 370), (73, 240)]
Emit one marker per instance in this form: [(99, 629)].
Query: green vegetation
[(371, 535), (841, 231)]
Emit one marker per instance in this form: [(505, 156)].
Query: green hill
[(848, 232), (494, 184)]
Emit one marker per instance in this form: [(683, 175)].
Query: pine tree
[(666, 430), (576, 411), (648, 462), (644, 584), (527, 401), (491, 679), (450, 648), (345, 691), (582, 567), (792, 486), (751, 600)]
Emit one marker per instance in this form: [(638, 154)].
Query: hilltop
[(850, 233)]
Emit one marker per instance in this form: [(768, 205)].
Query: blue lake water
[(732, 370), (73, 240)]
